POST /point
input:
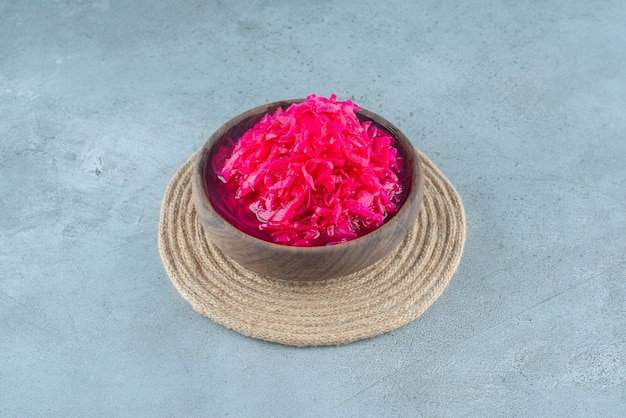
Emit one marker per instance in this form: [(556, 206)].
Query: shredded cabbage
[(313, 174)]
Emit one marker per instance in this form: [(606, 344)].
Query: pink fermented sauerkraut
[(311, 175)]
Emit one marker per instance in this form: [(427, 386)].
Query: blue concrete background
[(521, 104)]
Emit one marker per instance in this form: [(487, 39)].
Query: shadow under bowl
[(303, 263)]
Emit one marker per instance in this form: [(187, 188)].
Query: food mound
[(313, 174)]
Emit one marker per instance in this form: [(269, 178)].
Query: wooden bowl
[(303, 263)]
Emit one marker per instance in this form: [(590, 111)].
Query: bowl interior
[(224, 141)]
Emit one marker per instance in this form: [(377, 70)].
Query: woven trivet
[(370, 302)]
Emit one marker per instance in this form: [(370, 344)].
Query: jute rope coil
[(375, 300)]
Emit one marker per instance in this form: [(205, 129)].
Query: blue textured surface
[(521, 104)]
